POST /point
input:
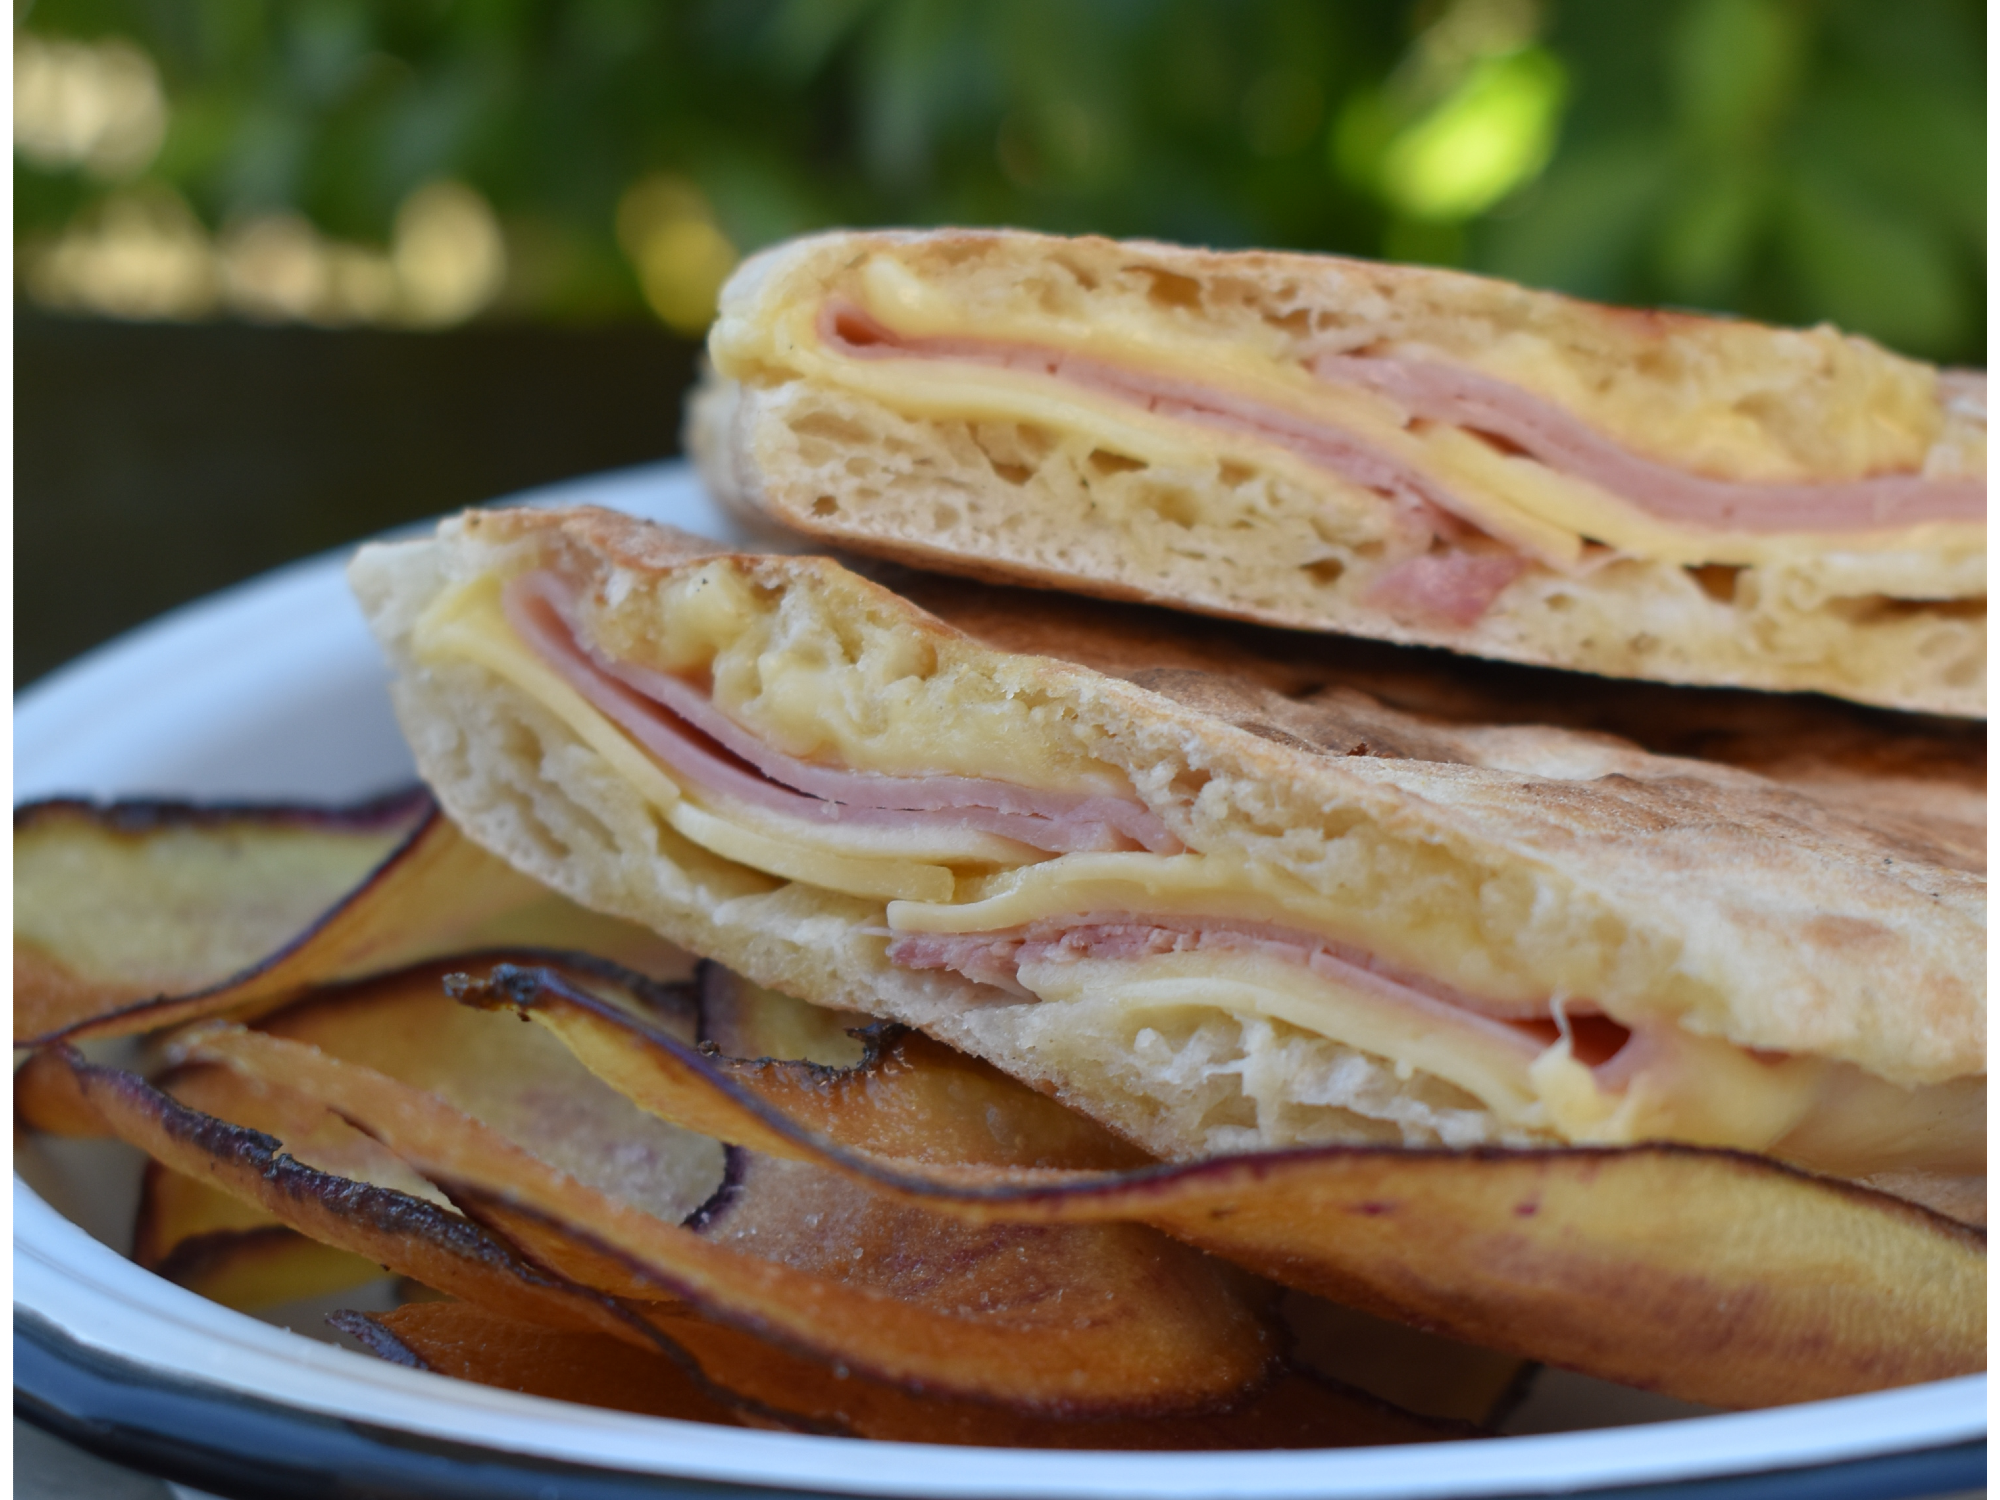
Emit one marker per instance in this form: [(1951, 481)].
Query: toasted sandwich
[(1188, 879), (1387, 451)]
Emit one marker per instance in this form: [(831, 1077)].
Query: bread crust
[(1229, 532), (1744, 907)]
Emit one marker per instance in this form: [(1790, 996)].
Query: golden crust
[(1255, 538), (1738, 905)]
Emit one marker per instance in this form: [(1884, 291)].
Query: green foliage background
[(1792, 160)]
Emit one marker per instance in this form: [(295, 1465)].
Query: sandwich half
[(1187, 879), (1388, 451)]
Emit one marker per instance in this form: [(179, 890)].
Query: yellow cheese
[(847, 687), (943, 389), (890, 879), (1688, 1088), (1260, 984), (1178, 884), (469, 624), (1540, 511), (1584, 510), (1443, 938)]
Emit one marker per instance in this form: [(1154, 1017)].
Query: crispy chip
[(464, 1340), (138, 915), (141, 915), (471, 1343), (232, 1251), (1295, 1409), (517, 1079), (1708, 1275), (46, 1098), (1178, 1335), (404, 1234)]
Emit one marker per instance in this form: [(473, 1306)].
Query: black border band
[(246, 1448)]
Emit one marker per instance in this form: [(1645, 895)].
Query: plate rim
[(1936, 1417), (88, 1399)]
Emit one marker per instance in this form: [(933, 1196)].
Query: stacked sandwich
[(1127, 810)]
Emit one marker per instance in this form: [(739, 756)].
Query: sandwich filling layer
[(1063, 895), (1476, 469)]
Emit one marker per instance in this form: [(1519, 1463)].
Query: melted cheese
[(1690, 1088), (1693, 1088), (1258, 984), (848, 686), (1541, 512), (470, 625), (1224, 887)]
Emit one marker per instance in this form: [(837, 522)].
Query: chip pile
[(371, 1046)]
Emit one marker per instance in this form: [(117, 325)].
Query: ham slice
[(682, 728), (1457, 587), (1440, 392), (1427, 509), (995, 958)]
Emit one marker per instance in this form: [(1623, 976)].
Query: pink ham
[(1445, 393), (1440, 392), (683, 729), (1457, 587), (1427, 509), (995, 958)]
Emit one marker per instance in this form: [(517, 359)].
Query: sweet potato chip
[(246, 1251), (1708, 1275), (234, 1252), (742, 1019), (757, 1381), (898, 1093), (46, 1098), (124, 903), (910, 1098), (410, 1236), (404, 1234), (529, 1088), (517, 1079), (136, 915), (252, 1269), (464, 1340), (1177, 1333), (471, 1343), (1416, 1370)]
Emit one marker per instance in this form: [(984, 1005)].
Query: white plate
[(274, 689)]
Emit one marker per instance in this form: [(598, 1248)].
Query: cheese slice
[(1538, 510), (1690, 1088), (947, 389), (1249, 983), (469, 624)]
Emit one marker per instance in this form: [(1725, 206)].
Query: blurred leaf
[(800, 34), (1734, 66), (1361, 136), (1493, 133), (1580, 227), (1872, 270), (1710, 230), (1922, 148)]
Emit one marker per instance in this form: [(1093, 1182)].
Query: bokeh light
[(94, 105), (666, 227)]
